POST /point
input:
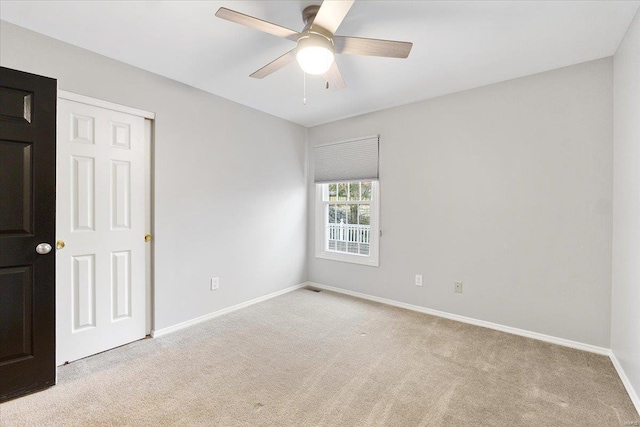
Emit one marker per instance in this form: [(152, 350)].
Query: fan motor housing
[(309, 13), (311, 38)]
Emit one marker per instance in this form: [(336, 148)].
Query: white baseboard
[(164, 331), (524, 333), (625, 380)]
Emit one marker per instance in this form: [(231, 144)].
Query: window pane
[(353, 214), (366, 190), (364, 249), (341, 214), (354, 191), (351, 234), (333, 234), (332, 213), (352, 248), (364, 214), (333, 192), (364, 233), (342, 191)]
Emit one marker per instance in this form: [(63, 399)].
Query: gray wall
[(625, 307), (230, 181), (507, 188)]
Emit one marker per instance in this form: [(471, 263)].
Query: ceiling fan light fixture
[(315, 53)]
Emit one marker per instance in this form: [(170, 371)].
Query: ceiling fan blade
[(372, 47), (258, 24), (334, 78), (332, 13), (275, 65)]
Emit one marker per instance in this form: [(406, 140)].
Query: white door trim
[(105, 104), (149, 204)]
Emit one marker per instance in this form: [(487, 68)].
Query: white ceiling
[(457, 45)]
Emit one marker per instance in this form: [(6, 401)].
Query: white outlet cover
[(215, 283), (458, 287), (418, 279)]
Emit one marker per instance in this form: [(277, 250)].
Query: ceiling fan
[(317, 43)]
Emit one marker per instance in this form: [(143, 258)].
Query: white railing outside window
[(348, 238)]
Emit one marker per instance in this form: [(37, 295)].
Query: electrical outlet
[(458, 288), (418, 279), (215, 283)]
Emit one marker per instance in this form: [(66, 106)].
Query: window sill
[(351, 259)]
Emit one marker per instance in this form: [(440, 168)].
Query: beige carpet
[(322, 359)]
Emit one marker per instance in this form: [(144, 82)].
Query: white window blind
[(355, 160)]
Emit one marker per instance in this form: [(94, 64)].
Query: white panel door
[(100, 272)]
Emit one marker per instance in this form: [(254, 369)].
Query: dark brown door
[(27, 219)]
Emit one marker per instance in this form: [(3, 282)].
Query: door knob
[(147, 237), (43, 248), (59, 244)]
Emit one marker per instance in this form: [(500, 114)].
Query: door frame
[(149, 145)]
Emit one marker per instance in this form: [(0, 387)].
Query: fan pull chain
[(304, 88)]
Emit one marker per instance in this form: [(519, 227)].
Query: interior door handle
[(43, 248)]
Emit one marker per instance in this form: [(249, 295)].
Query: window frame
[(322, 252)]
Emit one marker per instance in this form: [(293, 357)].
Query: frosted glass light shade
[(314, 54)]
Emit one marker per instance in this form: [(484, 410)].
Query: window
[(347, 222), (347, 205)]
